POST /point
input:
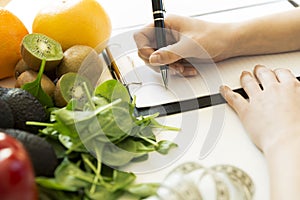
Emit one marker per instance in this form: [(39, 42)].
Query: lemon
[(74, 22)]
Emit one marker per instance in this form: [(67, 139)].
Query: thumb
[(184, 48), (165, 55)]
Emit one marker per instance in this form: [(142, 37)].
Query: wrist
[(283, 164), (228, 45), (241, 40), (288, 142)]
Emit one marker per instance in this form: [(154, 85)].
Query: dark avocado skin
[(41, 153), (6, 116), (24, 107)]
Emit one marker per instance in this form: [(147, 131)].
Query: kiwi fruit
[(20, 68), (36, 47), (83, 60), (70, 86), (29, 76)]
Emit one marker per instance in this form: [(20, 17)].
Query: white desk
[(233, 146)]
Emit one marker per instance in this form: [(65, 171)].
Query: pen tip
[(164, 74)]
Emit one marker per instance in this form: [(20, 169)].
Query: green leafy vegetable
[(100, 136), (36, 90)]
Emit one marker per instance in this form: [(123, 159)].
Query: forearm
[(283, 161), (269, 34)]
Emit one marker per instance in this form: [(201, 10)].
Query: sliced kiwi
[(36, 47), (71, 86)]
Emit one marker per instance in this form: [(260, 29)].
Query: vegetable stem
[(39, 124), (87, 93), (148, 140), (97, 172)]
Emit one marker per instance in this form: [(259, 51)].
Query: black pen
[(160, 34)]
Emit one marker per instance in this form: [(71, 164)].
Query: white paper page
[(152, 92)]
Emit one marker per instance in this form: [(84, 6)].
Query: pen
[(160, 34)]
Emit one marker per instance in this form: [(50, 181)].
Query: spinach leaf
[(164, 146), (112, 90), (35, 88), (143, 190), (70, 175), (105, 134)]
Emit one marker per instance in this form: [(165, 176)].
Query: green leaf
[(112, 155), (164, 146), (51, 183), (143, 190), (103, 193), (51, 194), (112, 90), (35, 88), (69, 175), (121, 180)]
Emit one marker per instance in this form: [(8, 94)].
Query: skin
[(221, 41), (271, 119), (270, 115)]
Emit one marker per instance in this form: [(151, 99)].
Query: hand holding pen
[(215, 38)]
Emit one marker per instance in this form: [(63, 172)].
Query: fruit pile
[(68, 35)]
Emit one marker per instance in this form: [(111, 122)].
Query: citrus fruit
[(12, 31), (73, 22)]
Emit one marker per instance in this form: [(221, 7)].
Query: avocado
[(3, 91), (25, 107), (41, 153), (6, 116)]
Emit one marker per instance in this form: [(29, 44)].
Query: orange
[(12, 31), (74, 22)]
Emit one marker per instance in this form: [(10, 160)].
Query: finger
[(145, 37), (179, 68), (145, 53), (235, 100), (285, 75), (266, 76), (165, 55), (189, 71), (249, 84)]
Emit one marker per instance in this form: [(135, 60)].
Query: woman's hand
[(187, 38), (271, 116)]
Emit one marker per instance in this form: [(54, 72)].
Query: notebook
[(188, 93)]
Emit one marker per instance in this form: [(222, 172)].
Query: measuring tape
[(186, 182)]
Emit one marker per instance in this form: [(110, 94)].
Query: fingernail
[(154, 59), (221, 89), (246, 76)]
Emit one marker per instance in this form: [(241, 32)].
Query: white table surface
[(233, 146)]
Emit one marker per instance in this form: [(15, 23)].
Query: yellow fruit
[(73, 22), (12, 31)]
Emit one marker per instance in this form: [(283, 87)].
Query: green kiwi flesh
[(36, 47), (71, 86)]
